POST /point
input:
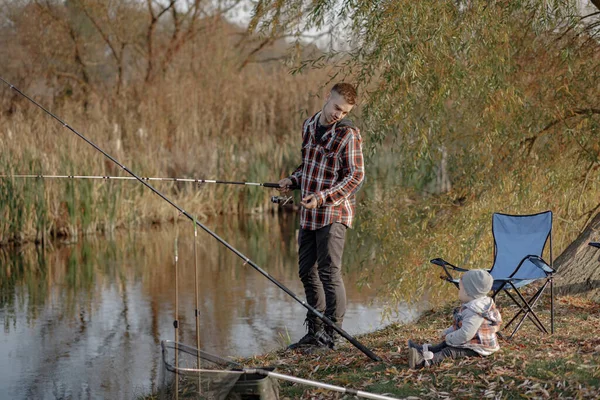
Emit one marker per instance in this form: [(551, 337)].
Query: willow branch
[(570, 114)]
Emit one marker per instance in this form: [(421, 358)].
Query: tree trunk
[(578, 267)]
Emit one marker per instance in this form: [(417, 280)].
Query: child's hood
[(485, 307)]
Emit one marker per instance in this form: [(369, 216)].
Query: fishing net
[(196, 374)]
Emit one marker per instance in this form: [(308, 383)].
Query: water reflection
[(85, 320)]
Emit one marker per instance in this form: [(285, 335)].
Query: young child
[(475, 325)]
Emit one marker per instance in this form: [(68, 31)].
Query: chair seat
[(517, 283)]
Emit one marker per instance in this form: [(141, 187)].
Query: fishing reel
[(282, 200)]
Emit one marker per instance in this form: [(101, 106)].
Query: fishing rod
[(282, 200), (143, 178), (176, 320), (247, 261)]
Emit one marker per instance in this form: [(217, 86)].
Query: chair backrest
[(515, 237)]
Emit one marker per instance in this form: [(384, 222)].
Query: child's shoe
[(418, 359), (415, 358)]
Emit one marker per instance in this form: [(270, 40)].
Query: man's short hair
[(346, 90)]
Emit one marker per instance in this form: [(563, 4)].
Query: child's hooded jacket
[(475, 326)]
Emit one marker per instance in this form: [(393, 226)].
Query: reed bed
[(180, 130)]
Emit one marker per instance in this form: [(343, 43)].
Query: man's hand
[(284, 185), (310, 202)]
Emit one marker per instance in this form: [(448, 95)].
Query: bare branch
[(570, 114), (572, 26), (150, 35), (269, 41), (231, 7), (267, 60), (71, 76), (179, 38), (103, 34)]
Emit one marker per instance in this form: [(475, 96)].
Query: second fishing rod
[(281, 200), (247, 260), (143, 178)]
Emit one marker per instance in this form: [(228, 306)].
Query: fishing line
[(314, 311), (196, 283)]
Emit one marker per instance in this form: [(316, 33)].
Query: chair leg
[(523, 305), (529, 312), (530, 304), (517, 328), (552, 305)]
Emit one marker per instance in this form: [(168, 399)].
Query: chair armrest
[(594, 244), (540, 263), (443, 263)]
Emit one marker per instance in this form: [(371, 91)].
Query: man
[(331, 173)]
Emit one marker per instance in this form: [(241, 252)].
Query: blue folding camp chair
[(519, 241)]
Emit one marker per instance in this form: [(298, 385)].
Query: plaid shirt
[(485, 341), (332, 169)]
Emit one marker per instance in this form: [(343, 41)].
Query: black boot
[(335, 338), (315, 336)]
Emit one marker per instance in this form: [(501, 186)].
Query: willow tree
[(484, 106)]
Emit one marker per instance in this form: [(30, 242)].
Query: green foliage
[(499, 97), (551, 369), (392, 387)]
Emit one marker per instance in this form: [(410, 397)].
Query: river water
[(85, 319)]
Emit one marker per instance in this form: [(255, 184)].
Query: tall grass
[(181, 129), (244, 127), (207, 114)]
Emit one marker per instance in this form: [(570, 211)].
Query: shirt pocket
[(312, 152), (329, 156)]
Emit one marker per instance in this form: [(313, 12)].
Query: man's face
[(335, 108)]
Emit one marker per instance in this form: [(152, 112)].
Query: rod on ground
[(142, 178), (321, 385), (318, 314), (165, 344)]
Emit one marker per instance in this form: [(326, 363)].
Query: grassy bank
[(563, 365)]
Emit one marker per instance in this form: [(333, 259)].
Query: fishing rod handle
[(276, 186)]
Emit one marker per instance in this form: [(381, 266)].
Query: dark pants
[(320, 269), (443, 350)]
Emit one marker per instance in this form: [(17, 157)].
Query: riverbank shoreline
[(69, 236), (565, 364)]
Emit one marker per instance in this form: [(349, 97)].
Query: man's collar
[(330, 128)]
